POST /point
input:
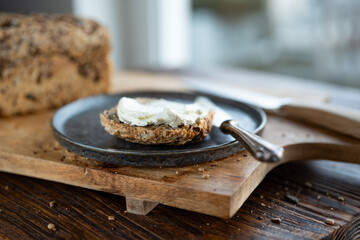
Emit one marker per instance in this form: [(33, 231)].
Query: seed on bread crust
[(162, 134)]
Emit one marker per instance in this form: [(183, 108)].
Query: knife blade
[(264, 101), (341, 119), (260, 148)]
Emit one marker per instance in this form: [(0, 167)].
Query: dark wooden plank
[(81, 213)]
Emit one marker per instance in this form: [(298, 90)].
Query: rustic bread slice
[(162, 134)]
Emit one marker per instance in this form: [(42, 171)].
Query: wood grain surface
[(217, 188), (83, 214), (324, 190)]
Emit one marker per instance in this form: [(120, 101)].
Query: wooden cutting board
[(218, 188)]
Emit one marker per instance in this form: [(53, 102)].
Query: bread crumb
[(111, 218), (6, 187), (276, 220), (205, 176), (261, 196), (200, 169), (308, 184), (207, 224), (329, 221), (176, 172), (341, 199), (332, 209), (260, 217), (52, 204), (263, 204), (318, 197), (51, 226), (125, 211)]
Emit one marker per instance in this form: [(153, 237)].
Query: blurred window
[(312, 39), (306, 38)]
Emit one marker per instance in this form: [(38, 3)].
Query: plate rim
[(58, 134)]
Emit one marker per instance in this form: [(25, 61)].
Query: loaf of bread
[(49, 60)]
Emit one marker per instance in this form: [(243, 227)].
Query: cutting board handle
[(341, 119), (326, 151)]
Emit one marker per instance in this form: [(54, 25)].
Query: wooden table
[(325, 190)]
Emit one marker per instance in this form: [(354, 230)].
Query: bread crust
[(162, 134), (48, 60), (29, 35)]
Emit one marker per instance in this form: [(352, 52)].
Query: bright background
[(312, 39)]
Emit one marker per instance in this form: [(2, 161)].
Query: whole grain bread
[(47, 60), (162, 134)]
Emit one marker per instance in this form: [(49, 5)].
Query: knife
[(335, 117), (261, 149)]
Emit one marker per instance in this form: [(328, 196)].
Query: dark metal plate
[(77, 127)]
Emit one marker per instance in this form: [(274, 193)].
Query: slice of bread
[(162, 134)]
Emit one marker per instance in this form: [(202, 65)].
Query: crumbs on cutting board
[(205, 176)]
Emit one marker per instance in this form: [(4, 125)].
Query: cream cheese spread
[(136, 112)]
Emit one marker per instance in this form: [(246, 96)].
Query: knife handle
[(338, 118), (261, 149)]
